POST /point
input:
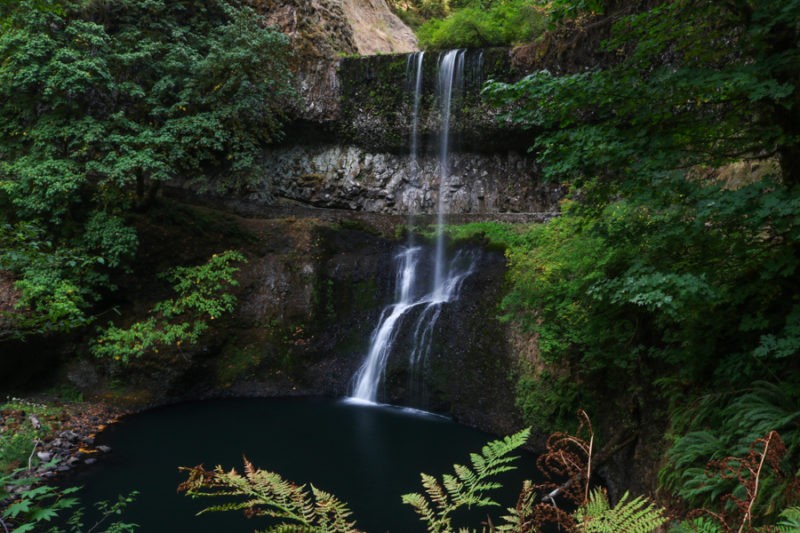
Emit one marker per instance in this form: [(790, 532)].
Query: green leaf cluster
[(568, 10), (203, 295), (33, 507), (738, 420), (698, 82)]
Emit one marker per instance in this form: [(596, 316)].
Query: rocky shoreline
[(68, 438)]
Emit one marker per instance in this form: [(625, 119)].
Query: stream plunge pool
[(368, 456)]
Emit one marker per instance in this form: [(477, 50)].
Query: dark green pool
[(368, 456)]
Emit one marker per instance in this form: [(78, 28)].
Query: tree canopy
[(102, 102), (699, 82), (674, 268)]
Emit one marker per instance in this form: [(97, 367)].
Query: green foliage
[(202, 295), (467, 487), (701, 524), (739, 420), (32, 507), (789, 523), (790, 520), (102, 103), (708, 102), (107, 509), (660, 273), (497, 234), (17, 448), (567, 10), (628, 516), (267, 494), (693, 280), (57, 281), (483, 23), (545, 400)]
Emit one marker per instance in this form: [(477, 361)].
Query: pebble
[(103, 448), (44, 456), (90, 461), (69, 435)]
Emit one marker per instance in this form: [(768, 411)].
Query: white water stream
[(415, 295)]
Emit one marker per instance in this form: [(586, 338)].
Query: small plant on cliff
[(202, 296)]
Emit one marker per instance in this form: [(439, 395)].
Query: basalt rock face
[(361, 160), (350, 177), (377, 103), (348, 145)]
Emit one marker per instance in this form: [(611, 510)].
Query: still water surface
[(366, 455)]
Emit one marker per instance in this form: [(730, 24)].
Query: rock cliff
[(323, 31)]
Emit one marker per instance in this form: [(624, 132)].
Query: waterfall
[(451, 76), (414, 81), (412, 296), (368, 377)]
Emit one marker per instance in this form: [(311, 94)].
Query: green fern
[(518, 517), (790, 520), (701, 524), (737, 421), (468, 487), (629, 516), (264, 493)]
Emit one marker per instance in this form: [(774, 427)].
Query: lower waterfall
[(413, 300)]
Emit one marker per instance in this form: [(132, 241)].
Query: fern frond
[(790, 520), (468, 487), (435, 491), (265, 493), (332, 513), (629, 516), (702, 524), (289, 528), (518, 518), (421, 506)]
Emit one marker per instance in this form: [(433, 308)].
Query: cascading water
[(414, 74), (451, 75), (368, 377), (412, 297)]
